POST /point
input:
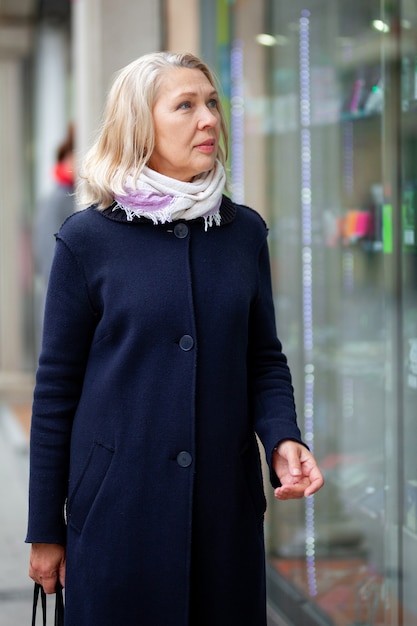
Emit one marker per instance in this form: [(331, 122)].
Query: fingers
[(62, 574), (48, 582), (316, 482), (298, 490), (294, 461), (47, 563), (291, 452), (290, 492)]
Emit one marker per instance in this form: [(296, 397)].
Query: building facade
[(321, 98)]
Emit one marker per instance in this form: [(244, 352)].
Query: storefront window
[(408, 327), (324, 139)]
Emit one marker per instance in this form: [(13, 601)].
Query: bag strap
[(59, 605), (37, 588)]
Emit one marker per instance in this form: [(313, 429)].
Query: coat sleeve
[(69, 324), (271, 390)]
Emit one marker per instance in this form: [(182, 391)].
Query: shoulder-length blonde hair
[(126, 139)]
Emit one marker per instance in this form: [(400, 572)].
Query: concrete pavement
[(15, 586)]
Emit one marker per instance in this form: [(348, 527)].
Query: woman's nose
[(208, 117)]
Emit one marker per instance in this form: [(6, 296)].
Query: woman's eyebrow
[(190, 94)]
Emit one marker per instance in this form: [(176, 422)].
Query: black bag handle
[(59, 605)]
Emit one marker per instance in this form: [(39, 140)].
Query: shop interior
[(330, 134)]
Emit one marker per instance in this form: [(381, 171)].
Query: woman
[(160, 361)]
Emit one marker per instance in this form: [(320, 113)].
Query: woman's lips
[(206, 146)]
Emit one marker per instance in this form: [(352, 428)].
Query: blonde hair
[(126, 139)]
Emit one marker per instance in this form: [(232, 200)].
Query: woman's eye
[(212, 103), (184, 105)]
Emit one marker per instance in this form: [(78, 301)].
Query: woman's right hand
[(47, 565)]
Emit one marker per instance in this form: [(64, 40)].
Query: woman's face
[(187, 125)]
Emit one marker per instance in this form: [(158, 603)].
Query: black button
[(184, 459), (181, 230), (186, 343)]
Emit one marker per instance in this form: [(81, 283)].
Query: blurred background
[(321, 98)]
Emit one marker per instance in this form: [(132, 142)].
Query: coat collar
[(228, 212)]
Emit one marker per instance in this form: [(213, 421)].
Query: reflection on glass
[(318, 98)]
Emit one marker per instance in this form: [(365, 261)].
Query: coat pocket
[(252, 469), (88, 486)]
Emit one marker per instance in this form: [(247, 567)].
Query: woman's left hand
[(297, 471)]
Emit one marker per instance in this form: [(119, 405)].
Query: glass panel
[(409, 284), (335, 557), (314, 91)]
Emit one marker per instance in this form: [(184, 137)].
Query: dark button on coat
[(151, 447)]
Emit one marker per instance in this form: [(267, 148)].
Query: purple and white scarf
[(164, 199)]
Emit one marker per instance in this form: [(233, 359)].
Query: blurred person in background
[(51, 212), (160, 363)]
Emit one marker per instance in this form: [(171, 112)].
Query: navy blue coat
[(160, 361)]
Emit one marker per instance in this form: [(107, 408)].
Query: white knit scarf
[(163, 199)]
